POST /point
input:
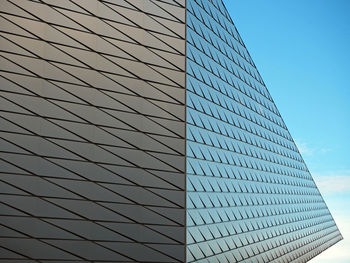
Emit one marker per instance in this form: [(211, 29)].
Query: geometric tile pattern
[(92, 102), (133, 129), (250, 196)]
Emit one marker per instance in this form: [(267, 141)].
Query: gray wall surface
[(92, 131), (94, 122)]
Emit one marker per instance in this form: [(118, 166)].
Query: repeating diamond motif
[(250, 196), (92, 131), (141, 131)]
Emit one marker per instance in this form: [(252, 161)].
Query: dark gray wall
[(92, 131)]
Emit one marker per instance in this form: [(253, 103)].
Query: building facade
[(250, 196), (141, 131)]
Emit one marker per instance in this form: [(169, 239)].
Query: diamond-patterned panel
[(250, 196), (92, 131)]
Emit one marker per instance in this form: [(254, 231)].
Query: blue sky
[(301, 49)]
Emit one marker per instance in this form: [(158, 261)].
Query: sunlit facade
[(250, 196), (141, 131)]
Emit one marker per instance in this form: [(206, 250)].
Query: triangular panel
[(250, 196)]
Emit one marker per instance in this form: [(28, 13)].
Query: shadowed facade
[(92, 128)]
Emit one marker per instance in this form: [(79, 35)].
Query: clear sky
[(302, 51)]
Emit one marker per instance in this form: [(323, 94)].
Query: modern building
[(142, 131)]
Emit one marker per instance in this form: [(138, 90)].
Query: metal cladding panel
[(250, 196), (92, 131)]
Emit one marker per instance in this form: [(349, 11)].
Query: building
[(141, 131)]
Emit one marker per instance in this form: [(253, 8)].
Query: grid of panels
[(92, 131), (250, 196)]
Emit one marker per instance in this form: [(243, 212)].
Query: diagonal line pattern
[(250, 196), (92, 131)]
